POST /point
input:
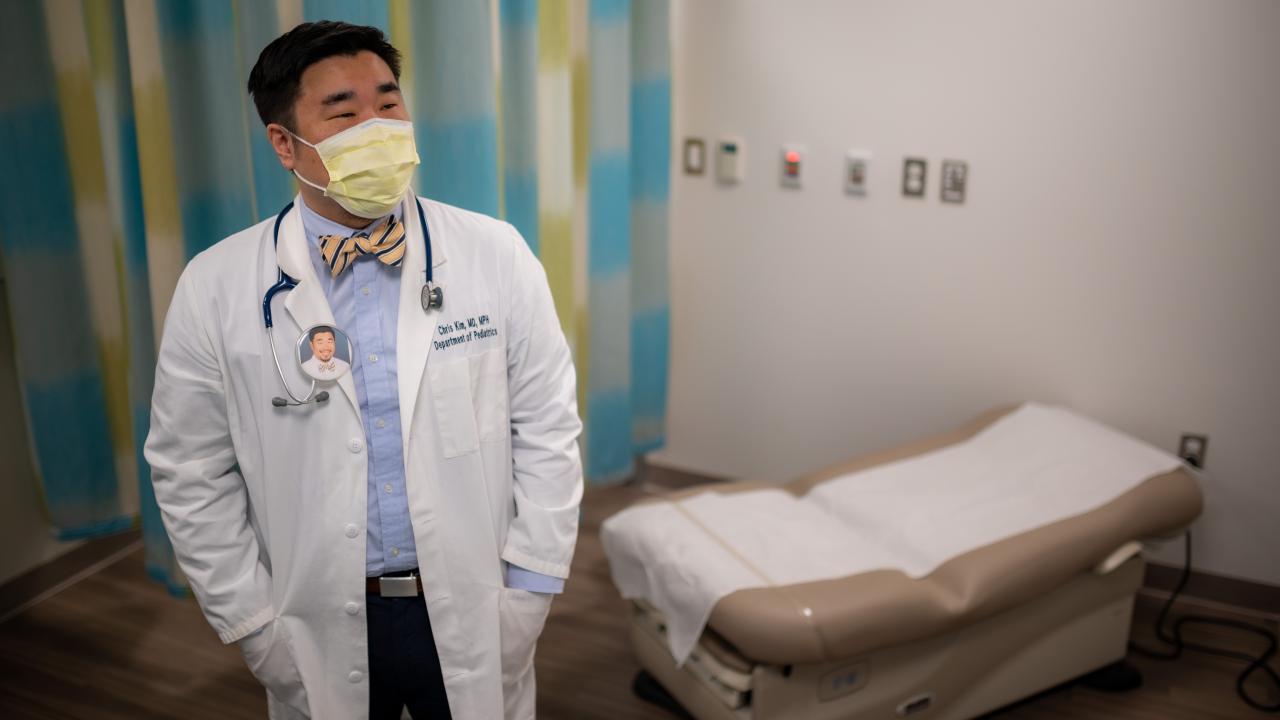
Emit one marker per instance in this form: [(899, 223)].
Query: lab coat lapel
[(415, 328), (306, 303)]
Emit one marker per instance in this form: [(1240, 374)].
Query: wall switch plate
[(695, 156), (1192, 448), (955, 176), (729, 161), (855, 172), (914, 176), (792, 162)]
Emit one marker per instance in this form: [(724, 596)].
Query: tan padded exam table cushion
[(872, 610)]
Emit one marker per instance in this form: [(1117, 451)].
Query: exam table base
[(1062, 635)]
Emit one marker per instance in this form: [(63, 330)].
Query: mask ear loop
[(295, 172)]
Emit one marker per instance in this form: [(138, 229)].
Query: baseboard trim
[(1233, 592), (48, 579)]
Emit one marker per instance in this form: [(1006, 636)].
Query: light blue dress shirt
[(365, 300)]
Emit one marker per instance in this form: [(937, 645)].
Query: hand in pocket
[(521, 616), (270, 658)]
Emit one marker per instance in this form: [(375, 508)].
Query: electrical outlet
[(913, 177), (1191, 448)]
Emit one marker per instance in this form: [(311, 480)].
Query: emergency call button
[(792, 158)]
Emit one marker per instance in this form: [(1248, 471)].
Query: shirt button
[(364, 291), (387, 487), (380, 423), (351, 608), (395, 552), (373, 358), (355, 445), (351, 530), (355, 676)]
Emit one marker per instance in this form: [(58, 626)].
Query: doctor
[(394, 539)]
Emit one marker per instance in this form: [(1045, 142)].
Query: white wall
[(1119, 251), (24, 530)]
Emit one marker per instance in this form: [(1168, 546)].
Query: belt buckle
[(398, 586)]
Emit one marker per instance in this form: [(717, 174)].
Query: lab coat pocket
[(270, 657), (451, 394), (490, 393), (521, 616)]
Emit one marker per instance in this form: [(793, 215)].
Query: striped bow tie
[(385, 242)]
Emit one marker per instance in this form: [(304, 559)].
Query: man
[(395, 542), (322, 365)]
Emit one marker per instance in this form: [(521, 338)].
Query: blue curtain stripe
[(357, 12)]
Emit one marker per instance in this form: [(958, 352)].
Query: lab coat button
[(352, 530), (355, 445), (352, 608), (355, 676)]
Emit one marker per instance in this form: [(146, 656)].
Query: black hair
[(320, 330), (275, 78)]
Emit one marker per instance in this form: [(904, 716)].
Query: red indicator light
[(793, 156)]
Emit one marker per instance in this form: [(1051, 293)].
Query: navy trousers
[(404, 669)]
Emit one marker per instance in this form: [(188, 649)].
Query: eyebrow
[(344, 95), (335, 98)]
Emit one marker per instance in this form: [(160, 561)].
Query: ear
[(282, 143)]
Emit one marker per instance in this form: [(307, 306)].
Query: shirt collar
[(316, 225)]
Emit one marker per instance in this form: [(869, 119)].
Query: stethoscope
[(432, 299)]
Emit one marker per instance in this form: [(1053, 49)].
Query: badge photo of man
[(326, 362), (396, 547)]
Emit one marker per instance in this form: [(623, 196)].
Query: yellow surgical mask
[(369, 165)]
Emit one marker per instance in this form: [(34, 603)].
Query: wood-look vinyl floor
[(116, 646)]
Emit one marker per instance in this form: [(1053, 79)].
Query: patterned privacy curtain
[(133, 146)]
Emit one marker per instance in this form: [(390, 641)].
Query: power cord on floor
[(1174, 638)]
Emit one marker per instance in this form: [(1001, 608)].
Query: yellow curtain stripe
[(165, 254), (98, 234)]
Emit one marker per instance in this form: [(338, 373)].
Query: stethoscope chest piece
[(432, 297)]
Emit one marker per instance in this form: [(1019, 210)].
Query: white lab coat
[(266, 506)]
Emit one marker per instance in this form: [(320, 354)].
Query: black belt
[(395, 585)]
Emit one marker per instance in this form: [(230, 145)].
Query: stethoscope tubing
[(285, 282)]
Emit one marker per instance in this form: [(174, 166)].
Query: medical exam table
[(942, 579)]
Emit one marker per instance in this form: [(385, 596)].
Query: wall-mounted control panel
[(729, 160), (955, 177)]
